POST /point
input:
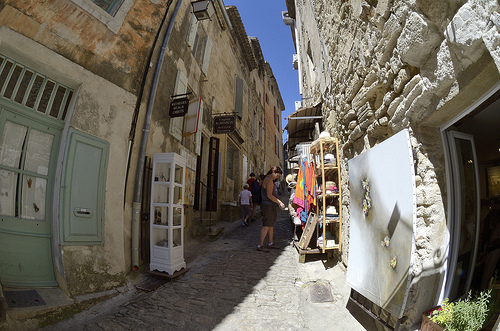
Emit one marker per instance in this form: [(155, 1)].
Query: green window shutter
[(84, 190), (238, 103)]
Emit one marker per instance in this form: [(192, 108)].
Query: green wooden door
[(28, 150), (84, 182)]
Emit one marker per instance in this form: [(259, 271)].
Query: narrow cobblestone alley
[(231, 286)]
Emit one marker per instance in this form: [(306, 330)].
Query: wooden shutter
[(206, 56), (193, 28)]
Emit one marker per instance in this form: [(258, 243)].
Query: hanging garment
[(298, 199), (311, 185), (301, 193)]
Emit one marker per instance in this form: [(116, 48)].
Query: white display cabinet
[(167, 213)]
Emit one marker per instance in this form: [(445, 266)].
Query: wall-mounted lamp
[(203, 9)]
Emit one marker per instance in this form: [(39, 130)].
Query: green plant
[(443, 314), (464, 315)]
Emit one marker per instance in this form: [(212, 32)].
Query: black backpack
[(256, 195)]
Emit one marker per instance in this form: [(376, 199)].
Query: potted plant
[(469, 314), (427, 323)]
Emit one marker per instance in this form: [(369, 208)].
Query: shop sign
[(179, 107), (224, 124)]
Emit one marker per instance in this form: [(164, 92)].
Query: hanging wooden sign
[(224, 124), (179, 107)]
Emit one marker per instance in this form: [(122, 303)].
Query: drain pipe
[(224, 13), (136, 217), (133, 127)]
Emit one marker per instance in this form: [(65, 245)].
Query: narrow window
[(68, 100), (12, 82), (110, 6), (58, 100), (23, 87), (238, 101), (206, 56), (5, 73), (232, 160), (35, 89), (45, 98), (193, 27)]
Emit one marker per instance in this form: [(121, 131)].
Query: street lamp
[(203, 9)]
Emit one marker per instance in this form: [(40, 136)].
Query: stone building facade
[(85, 93), (374, 68)]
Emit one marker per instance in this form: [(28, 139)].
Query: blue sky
[(262, 19)]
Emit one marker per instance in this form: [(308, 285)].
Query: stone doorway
[(474, 246)]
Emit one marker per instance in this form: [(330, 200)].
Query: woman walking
[(268, 208)]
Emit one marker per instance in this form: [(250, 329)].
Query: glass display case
[(167, 213)]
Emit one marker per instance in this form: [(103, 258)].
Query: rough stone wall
[(255, 148), (395, 65)]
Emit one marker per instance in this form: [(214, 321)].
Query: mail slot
[(82, 212)]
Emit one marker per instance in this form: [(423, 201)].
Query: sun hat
[(330, 158), (324, 134)]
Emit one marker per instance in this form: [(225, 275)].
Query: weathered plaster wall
[(395, 65), (256, 112), (105, 111), (104, 69), (272, 106), (102, 110), (74, 33)]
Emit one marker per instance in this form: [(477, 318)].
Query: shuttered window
[(193, 28), (206, 56)]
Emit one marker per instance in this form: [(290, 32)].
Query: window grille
[(33, 90)]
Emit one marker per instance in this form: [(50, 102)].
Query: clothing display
[(305, 191)]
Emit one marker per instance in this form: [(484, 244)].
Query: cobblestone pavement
[(231, 286)]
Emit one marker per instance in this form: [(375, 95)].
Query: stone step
[(205, 222), (202, 227), (215, 233)]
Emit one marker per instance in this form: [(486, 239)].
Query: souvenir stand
[(322, 202)]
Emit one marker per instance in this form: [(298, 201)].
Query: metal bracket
[(221, 114), (377, 313), (180, 95)]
